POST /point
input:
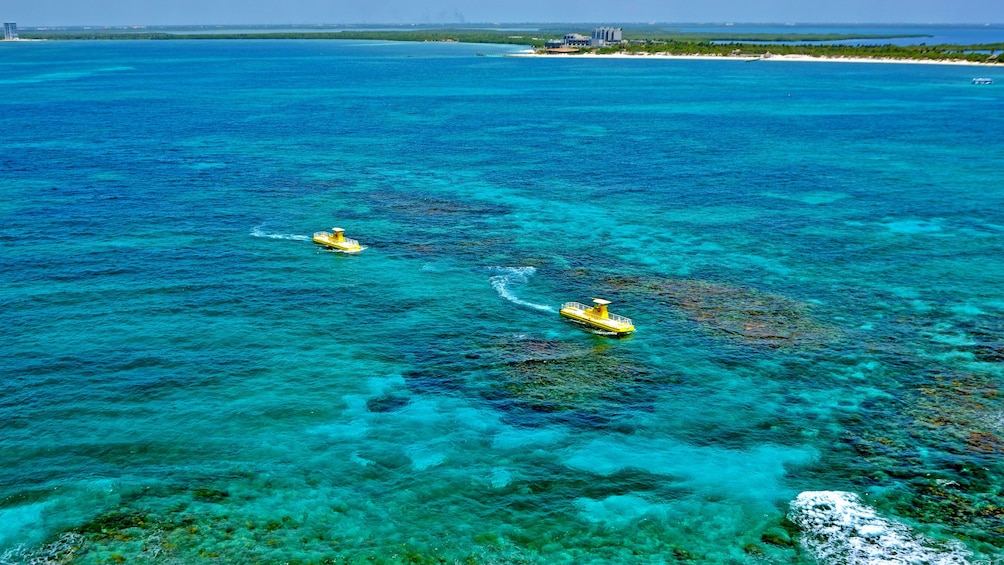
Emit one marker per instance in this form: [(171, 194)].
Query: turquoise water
[(811, 253)]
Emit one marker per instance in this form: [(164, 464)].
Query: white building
[(603, 36), (9, 31), (576, 40)]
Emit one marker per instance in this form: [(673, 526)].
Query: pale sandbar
[(748, 58)]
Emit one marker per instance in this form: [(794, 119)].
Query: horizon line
[(442, 24)]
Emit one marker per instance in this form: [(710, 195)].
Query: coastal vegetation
[(983, 53), (637, 40)]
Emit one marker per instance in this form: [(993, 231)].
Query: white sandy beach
[(771, 58)]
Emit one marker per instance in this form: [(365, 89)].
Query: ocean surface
[(812, 254)]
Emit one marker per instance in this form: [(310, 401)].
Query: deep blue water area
[(811, 254)]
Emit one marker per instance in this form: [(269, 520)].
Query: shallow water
[(811, 255)]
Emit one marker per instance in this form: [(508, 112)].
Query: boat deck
[(587, 315)]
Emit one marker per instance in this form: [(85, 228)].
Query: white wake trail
[(509, 277), (258, 232)]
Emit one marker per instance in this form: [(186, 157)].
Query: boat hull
[(605, 324), (343, 246)]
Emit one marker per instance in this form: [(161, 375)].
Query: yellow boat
[(597, 316), (335, 239)]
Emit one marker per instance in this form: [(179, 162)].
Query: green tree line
[(980, 53)]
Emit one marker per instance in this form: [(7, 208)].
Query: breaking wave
[(838, 528), (333, 250), (258, 232), (62, 550), (508, 277)]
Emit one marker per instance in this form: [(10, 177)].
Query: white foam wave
[(60, 551), (508, 277), (838, 528), (333, 250), (258, 232)]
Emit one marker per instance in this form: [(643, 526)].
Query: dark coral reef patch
[(550, 376), (736, 312)]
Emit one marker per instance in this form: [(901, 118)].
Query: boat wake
[(838, 528), (258, 232), (508, 277)]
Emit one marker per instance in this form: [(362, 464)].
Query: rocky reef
[(553, 376), (735, 312)]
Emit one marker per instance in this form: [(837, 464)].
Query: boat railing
[(327, 234), (621, 319), (584, 308)]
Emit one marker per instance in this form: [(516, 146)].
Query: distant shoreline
[(942, 54), (751, 59)]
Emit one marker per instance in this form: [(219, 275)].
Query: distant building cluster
[(9, 31), (607, 35), (601, 37)]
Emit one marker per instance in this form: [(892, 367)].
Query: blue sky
[(30, 13)]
